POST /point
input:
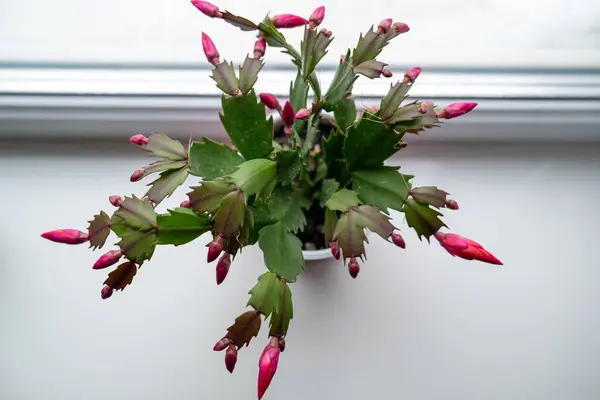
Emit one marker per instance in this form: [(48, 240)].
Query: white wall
[(492, 33), (417, 324)]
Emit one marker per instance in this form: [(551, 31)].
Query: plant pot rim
[(315, 255)]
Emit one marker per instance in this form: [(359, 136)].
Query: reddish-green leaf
[(280, 319), (371, 218), (207, 197), (161, 145), (133, 213), (231, 213), (245, 327), (164, 186), (350, 235), (138, 246), (422, 218), (382, 187), (99, 230), (429, 195), (122, 276)]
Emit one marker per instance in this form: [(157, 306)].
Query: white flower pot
[(315, 255)]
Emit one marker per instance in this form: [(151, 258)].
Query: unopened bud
[(456, 110), (288, 21), (426, 106), (222, 344), (335, 250), (66, 236), (452, 204), (223, 267), (288, 116), (303, 114), (214, 249), (384, 26), (402, 145), (115, 200), (108, 259), (207, 8), (106, 292), (411, 75), (398, 240), (231, 357), (400, 27), (185, 204), (387, 72), (281, 344), (260, 46), (326, 33), (210, 50), (316, 17), (353, 268), (137, 175), (138, 139), (270, 101)]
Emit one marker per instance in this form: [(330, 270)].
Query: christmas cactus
[(315, 178)]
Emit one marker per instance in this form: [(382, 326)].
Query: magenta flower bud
[(214, 249), (400, 27), (403, 145), (106, 292), (223, 267), (335, 250), (288, 116), (108, 259), (260, 46), (353, 268), (398, 240), (456, 110), (317, 17), (303, 114), (137, 175), (66, 236), (115, 200), (185, 204), (210, 50), (288, 21), (426, 106), (267, 366), (222, 344), (452, 204), (207, 8), (386, 72), (138, 139), (467, 249), (325, 33), (411, 75), (231, 358), (281, 344), (384, 26), (270, 101)]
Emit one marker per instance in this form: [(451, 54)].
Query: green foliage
[(289, 166), (429, 195), (161, 145), (266, 294), (181, 226), (369, 144), (210, 159), (207, 197), (257, 176), (282, 251), (371, 218), (331, 220), (342, 200), (245, 120), (392, 99), (249, 73), (231, 214), (280, 319), (350, 234), (383, 187), (345, 113), (138, 246), (167, 183), (328, 188), (422, 218), (285, 205), (224, 75), (135, 214), (99, 230)]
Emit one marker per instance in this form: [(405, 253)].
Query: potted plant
[(316, 180)]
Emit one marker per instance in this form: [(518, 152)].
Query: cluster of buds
[(231, 353), (215, 249), (388, 25), (287, 113)]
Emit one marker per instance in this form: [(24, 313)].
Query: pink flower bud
[(456, 110), (411, 75), (214, 249), (384, 26), (303, 114), (387, 72), (267, 366), (403, 145), (207, 8), (426, 106), (400, 27), (270, 101), (106, 292), (223, 267), (353, 268), (137, 175), (260, 46), (210, 50), (325, 33), (452, 204), (185, 204), (115, 200), (231, 358), (281, 344), (335, 250), (108, 259), (398, 240), (222, 344), (288, 21), (66, 236), (317, 17), (138, 139), (465, 248), (288, 116)]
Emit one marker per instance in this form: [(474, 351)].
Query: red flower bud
[(335, 250), (386, 72), (403, 145), (231, 357), (138, 139), (137, 175), (281, 344), (398, 240), (260, 46), (115, 200), (384, 26), (400, 27), (267, 366), (317, 17), (411, 75), (456, 110), (288, 21), (465, 248), (108, 259), (353, 268), (185, 204), (303, 114), (270, 101), (106, 292), (222, 344), (288, 115), (207, 8), (325, 33), (223, 267), (210, 50), (452, 204), (214, 249), (66, 236)]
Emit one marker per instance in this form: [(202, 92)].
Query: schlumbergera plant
[(307, 182)]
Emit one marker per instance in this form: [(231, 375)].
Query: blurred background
[(78, 78)]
